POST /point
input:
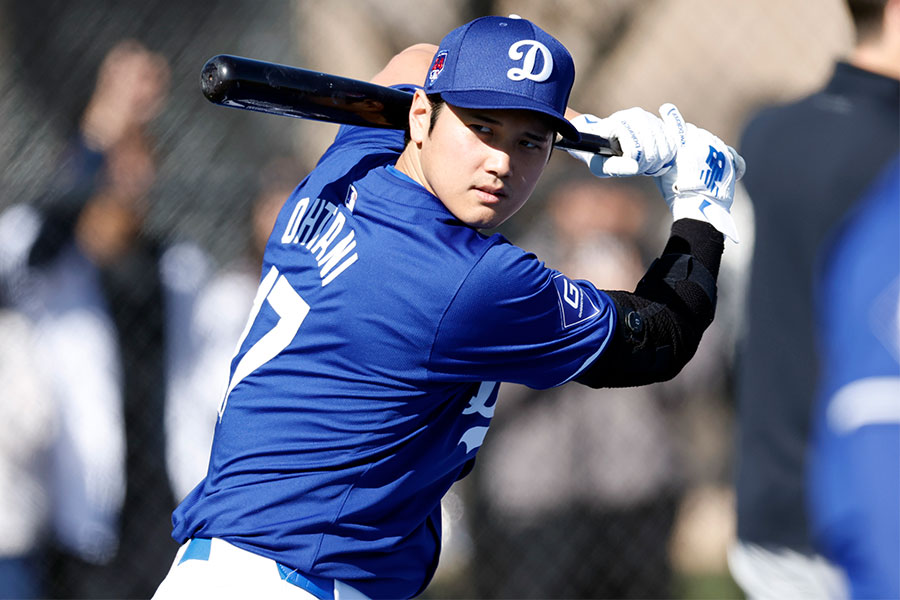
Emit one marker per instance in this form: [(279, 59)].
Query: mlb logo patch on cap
[(437, 66)]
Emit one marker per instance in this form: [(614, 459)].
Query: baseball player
[(365, 380), (854, 459)]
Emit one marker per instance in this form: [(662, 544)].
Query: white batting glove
[(701, 183), (646, 147)]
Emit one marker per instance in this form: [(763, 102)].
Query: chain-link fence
[(578, 493)]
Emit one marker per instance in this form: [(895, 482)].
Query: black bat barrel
[(285, 90)]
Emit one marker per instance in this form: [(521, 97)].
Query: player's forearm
[(407, 66), (659, 325)]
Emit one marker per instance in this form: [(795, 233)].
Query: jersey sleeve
[(513, 319)]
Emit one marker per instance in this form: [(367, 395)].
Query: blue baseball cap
[(505, 63)]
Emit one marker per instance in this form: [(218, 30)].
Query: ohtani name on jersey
[(317, 225)]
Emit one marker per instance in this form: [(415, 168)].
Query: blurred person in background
[(591, 473), (26, 411), (810, 161), (110, 304), (596, 474), (218, 318), (855, 460)]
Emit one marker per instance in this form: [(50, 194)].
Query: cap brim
[(494, 100)]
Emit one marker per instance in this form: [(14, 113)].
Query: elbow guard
[(659, 326)]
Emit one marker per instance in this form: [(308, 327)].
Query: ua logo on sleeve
[(526, 71)]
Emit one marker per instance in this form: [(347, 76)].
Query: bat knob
[(216, 78)]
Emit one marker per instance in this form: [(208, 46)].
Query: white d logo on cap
[(526, 71)]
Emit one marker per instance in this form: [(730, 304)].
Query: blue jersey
[(855, 459), (366, 378)]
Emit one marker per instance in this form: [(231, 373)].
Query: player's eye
[(480, 129), (533, 144)]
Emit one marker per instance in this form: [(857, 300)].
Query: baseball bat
[(277, 89)]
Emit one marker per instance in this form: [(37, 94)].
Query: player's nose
[(497, 162)]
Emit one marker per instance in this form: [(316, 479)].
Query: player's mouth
[(490, 194)]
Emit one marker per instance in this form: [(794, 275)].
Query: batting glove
[(701, 183), (646, 147)]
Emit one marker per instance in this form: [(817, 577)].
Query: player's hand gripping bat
[(290, 91)]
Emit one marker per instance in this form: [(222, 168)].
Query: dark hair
[(437, 103), (868, 16)]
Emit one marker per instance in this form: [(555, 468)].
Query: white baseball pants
[(215, 569)]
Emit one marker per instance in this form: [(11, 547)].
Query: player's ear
[(419, 117)]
